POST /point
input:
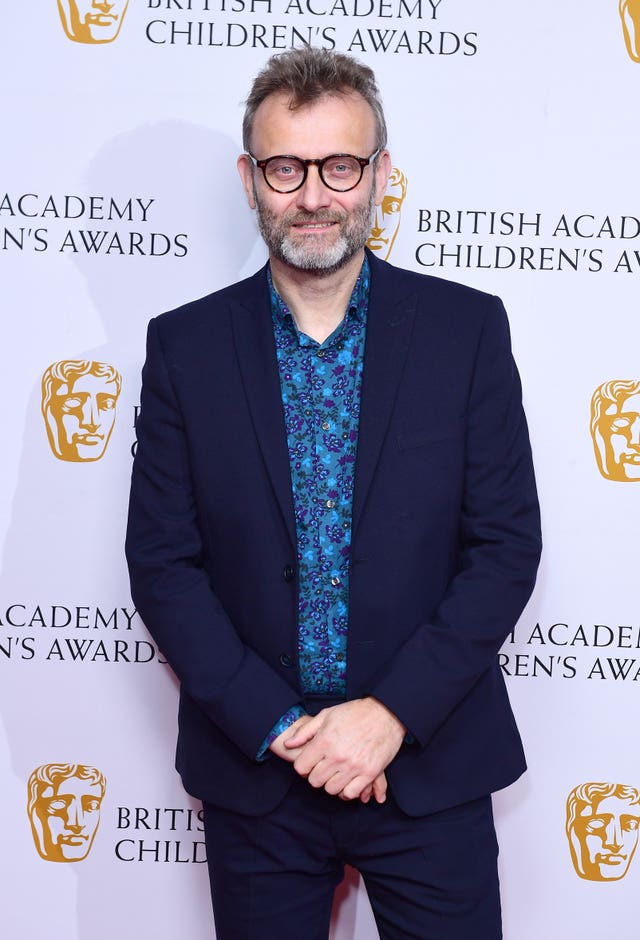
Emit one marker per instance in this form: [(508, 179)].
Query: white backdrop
[(516, 129)]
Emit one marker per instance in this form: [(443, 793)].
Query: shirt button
[(286, 660), (330, 503), (288, 573), (321, 354), (325, 425), (335, 581)]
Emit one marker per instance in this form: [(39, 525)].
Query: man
[(602, 827), (79, 399), (333, 528), (615, 430), (64, 810)]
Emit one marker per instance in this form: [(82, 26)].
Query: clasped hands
[(345, 748)]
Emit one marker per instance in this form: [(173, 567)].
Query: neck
[(316, 300)]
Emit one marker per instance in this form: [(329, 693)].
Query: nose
[(103, 7), (613, 836), (75, 817), (634, 435), (377, 227), (313, 194), (90, 415)]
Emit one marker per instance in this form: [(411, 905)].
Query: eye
[(595, 824), (341, 168), (620, 424), (283, 170), (56, 806), (106, 402), (71, 404)]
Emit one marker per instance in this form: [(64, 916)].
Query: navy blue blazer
[(445, 538)]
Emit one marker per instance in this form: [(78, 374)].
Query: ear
[(383, 172), (245, 169)]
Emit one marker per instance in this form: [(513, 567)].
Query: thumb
[(303, 734)]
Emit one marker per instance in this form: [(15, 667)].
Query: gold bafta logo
[(387, 218), (64, 810), (92, 22), (79, 400), (602, 829), (630, 16), (615, 430)]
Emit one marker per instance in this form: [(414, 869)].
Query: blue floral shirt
[(320, 385)]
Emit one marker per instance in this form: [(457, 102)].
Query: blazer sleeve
[(232, 685), (500, 546)]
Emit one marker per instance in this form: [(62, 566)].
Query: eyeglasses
[(339, 171)]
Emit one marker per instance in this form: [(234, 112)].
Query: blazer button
[(288, 573), (286, 660)]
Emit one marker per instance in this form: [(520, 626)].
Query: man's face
[(607, 833), (387, 220), (620, 429), (90, 21), (69, 813), (314, 228), (82, 413)]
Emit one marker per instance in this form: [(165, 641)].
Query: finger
[(303, 734), (355, 787), (322, 773), (379, 787), (366, 794), (310, 756)]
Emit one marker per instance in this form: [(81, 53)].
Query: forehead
[(332, 124), (610, 805), (72, 786), (91, 384), (631, 404)]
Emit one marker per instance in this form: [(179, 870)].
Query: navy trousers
[(432, 878)]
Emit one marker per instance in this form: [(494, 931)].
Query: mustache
[(301, 216)]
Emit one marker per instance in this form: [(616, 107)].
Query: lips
[(318, 224), (101, 19), (610, 859)]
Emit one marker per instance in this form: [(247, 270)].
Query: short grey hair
[(306, 75)]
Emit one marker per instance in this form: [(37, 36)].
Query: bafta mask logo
[(630, 16), (92, 22), (602, 829), (79, 400), (615, 429), (387, 218), (64, 810)]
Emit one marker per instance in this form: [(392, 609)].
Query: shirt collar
[(356, 308)]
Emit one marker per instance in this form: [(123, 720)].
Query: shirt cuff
[(289, 717)]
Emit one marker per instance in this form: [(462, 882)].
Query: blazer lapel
[(256, 351), (389, 324)]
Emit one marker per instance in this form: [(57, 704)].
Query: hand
[(278, 746), (377, 790), (346, 748)]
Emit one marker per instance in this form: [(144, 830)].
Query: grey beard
[(316, 258)]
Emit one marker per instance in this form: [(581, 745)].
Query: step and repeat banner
[(514, 139)]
